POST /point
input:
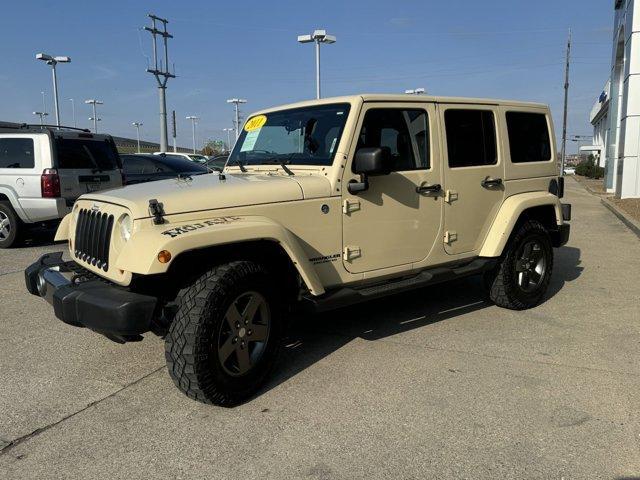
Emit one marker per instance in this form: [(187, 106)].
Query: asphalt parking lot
[(433, 384)]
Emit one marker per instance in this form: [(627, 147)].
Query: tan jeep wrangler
[(322, 204)]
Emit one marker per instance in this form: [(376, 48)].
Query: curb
[(628, 221)]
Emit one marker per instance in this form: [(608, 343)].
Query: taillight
[(50, 183)]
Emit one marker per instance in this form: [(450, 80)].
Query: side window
[(133, 165), (528, 137), (405, 133), (16, 153), (471, 138)]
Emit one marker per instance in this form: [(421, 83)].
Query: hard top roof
[(403, 98)]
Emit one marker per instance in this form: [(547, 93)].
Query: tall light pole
[(53, 61), (44, 104), (236, 102), (93, 102), (138, 125), (416, 91), (228, 130), (193, 119), (161, 72), (41, 115), (318, 36), (73, 111)]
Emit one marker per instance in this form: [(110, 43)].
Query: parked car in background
[(44, 169), (217, 163), (141, 168), (194, 157), (569, 171)]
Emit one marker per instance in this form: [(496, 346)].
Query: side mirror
[(372, 161), (369, 162)]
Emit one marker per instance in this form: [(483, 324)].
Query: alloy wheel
[(531, 266), (5, 226), (244, 333)]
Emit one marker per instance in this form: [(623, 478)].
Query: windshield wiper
[(283, 163), (241, 165)]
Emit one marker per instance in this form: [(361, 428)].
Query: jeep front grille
[(93, 236)]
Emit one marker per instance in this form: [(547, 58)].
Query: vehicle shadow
[(314, 337), (566, 268), (37, 237)]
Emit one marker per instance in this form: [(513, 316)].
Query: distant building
[(599, 118), (130, 145), (616, 115)]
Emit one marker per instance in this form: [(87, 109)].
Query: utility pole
[(174, 131), (161, 72), (73, 111), (138, 125), (237, 101), (93, 102), (563, 151), (193, 119), (44, 104)]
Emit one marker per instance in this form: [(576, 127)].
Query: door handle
[(491, 182), (424, 188)]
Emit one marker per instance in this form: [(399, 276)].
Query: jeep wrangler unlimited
[(321, 204)]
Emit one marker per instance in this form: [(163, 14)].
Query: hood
[(208, 192)]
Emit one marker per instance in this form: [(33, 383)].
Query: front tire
[(10, 226), (226, 335), (523, 275)]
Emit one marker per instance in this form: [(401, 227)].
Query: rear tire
[(522, 277), (10, 226), (226, 335)]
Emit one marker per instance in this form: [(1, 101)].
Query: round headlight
[(126, 226)]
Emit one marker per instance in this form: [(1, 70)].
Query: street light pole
[(228, 130), (73, 111), (193, 119), (41, 115), (53, 61), (138, 125), (237, 101), (318, 36), (93, 102)]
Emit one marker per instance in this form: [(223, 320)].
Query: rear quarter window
[(79, 153), (16, 153), (529, 139)]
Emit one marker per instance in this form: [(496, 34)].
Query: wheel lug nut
[(248, 332), (235, 339), (237, 324), (246, 322)]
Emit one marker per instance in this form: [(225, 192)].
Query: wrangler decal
[(328, 258), (174, 232)]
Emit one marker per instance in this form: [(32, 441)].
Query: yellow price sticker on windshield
[(255, 123)]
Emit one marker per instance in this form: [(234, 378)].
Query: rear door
[(85, 163), (473, 174)]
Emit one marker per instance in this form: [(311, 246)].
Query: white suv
[(194, 157), (44, 169)]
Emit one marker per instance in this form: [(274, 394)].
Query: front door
[(396, 221), (473, 174)]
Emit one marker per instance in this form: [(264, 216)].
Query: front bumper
[(82, 299)]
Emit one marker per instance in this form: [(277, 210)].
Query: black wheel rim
[(5, 226), (531, 266), (244, 333)]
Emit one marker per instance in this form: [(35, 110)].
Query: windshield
[(300, 136), (86, 154)]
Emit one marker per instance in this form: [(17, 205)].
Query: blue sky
[(491, 48)]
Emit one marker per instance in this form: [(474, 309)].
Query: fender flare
[(15, 204), (139, 254), (509, 214)]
